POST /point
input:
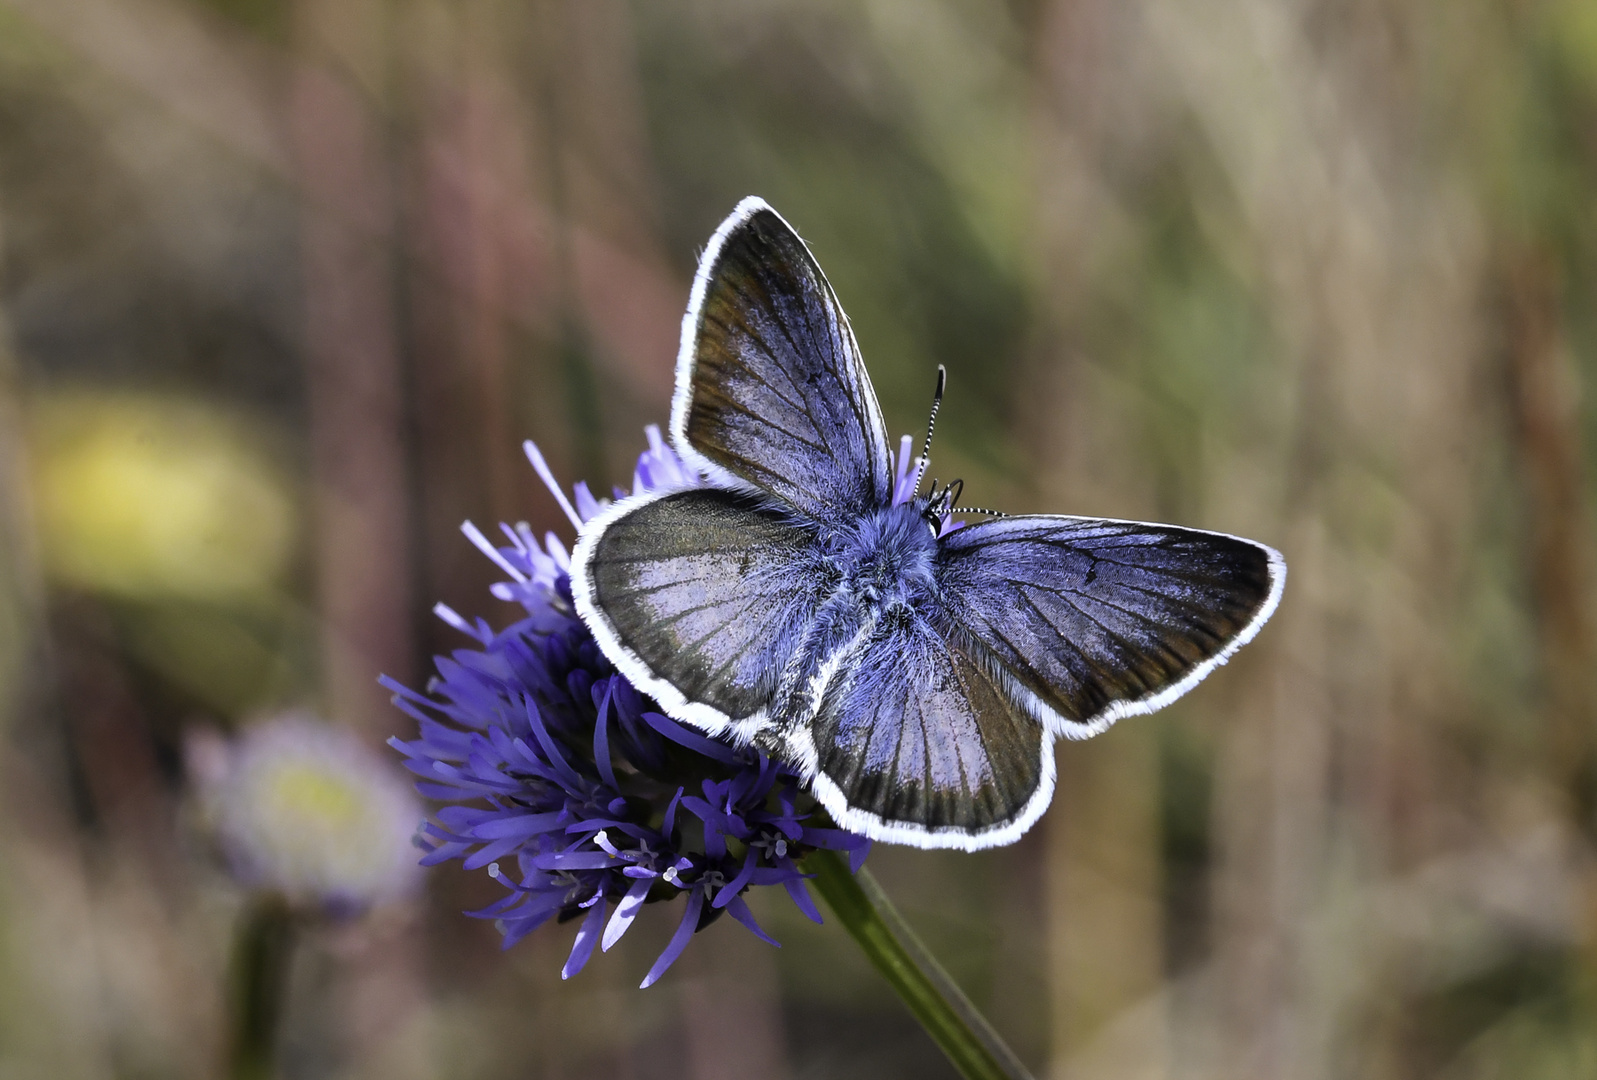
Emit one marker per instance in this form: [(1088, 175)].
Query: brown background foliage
[(1315, 271)]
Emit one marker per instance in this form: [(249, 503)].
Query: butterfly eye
[(936, 506), (941, 504)]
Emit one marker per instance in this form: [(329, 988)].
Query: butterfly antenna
[(931, 426), (948, 502)]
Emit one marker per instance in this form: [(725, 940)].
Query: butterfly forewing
[(705, 592), (1099, 619), (771, 388), (915, 740)]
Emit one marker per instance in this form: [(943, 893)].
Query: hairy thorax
[(886, 558)]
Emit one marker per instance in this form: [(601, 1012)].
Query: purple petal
[(518, 825), (517, 929), (626, 911), (690, 739), (715, 834), (587, 938), (739, 910), (835, 839), (551, 749), (699, 808), (495, 850), (671, 814), (801, 898), (856, 857), (729, 892), (587, 505), (388, 682), (574, 860), (499, 906), (593, 825), (679, 940), (601, 739), (775, 875), (443, 853)]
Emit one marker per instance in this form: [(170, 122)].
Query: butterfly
[(809, 603)]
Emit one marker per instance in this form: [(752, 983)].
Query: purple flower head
[(580, 797), (307, 810)]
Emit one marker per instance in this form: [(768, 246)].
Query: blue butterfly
[(808, 603)]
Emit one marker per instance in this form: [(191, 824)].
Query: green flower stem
[(262, 948), (943, 1010)]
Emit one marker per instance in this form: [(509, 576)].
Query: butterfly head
[(939, 509)]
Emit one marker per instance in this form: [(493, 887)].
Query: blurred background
[(285, 282)]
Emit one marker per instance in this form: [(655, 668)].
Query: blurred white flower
[(305, 809)]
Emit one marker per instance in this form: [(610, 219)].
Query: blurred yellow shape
[(1574, 28), (313, 798), (147, 496)]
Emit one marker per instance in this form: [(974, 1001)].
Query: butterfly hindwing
[(916, 741), (771, 390), (1097, 619), (703, 593)]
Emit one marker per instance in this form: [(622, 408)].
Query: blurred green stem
[(970, 1042), (262, 949)]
